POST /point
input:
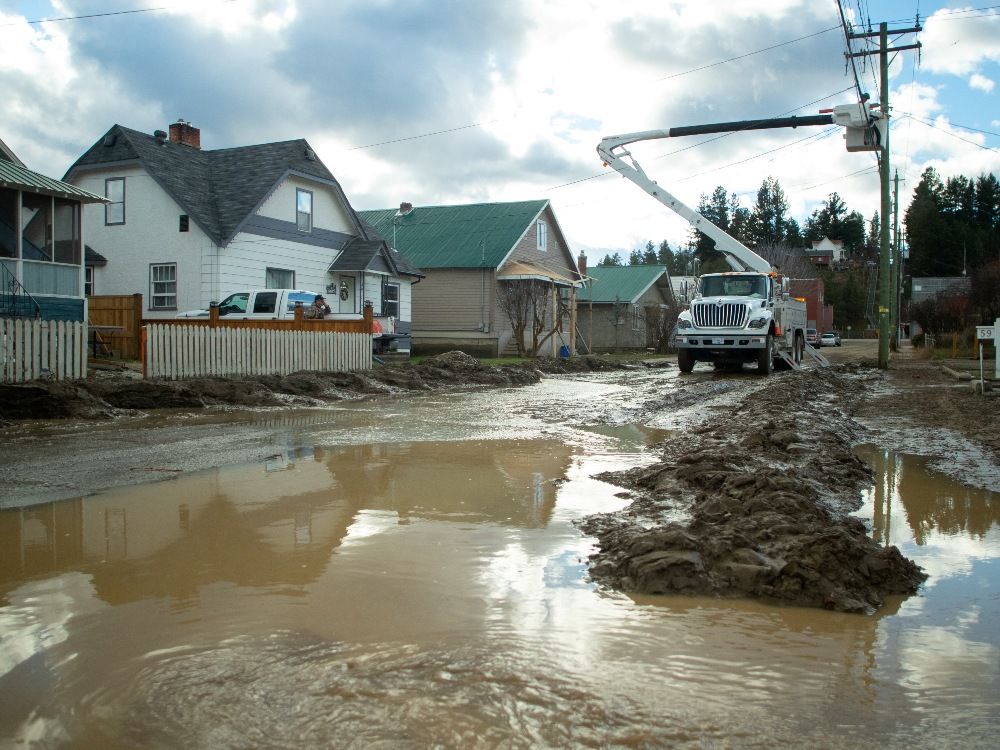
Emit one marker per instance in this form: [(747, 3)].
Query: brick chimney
[(581, 263), (185, 133)]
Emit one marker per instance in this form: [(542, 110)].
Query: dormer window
[(304, 209), (542, 235)]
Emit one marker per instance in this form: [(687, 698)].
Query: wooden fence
[(116, 323), (202, 347), (36, 349)]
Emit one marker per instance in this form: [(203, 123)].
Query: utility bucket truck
[(747, 315)]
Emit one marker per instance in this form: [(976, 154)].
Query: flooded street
[(410, 574)]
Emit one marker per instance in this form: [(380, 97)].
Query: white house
[(827, 252), (186, 227)]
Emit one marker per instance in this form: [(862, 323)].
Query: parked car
[(258, 304), (830, 338), (812, 337)]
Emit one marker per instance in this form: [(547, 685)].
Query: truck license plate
[(717, 342)]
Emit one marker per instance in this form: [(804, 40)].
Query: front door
[(346, 294)]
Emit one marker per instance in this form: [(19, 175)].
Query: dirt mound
[(112, 392), (764, 502)]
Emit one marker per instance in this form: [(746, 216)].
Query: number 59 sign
[(986, 333)]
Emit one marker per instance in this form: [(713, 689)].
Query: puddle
[(434, 593)]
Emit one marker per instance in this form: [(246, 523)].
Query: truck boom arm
[(741, 258), (612, 151)]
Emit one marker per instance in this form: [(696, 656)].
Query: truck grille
[(726, 315)]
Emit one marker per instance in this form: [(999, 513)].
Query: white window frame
[(386, 287), (542, 236), (636, 318), (270, 283), (299, 214), (88, 281), (109, 206), (167, 291)]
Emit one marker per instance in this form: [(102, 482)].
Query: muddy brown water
[(431, 591)]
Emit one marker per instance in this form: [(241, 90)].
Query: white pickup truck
[(260, 304)]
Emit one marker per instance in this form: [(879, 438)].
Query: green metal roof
[(16, 177), (620, 283), (479, 235)]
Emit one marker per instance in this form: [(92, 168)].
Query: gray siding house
[(472, 256)]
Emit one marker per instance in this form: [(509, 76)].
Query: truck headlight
[(683, 323), (758, 323)]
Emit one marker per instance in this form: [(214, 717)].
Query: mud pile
[(109, 392), (755, 502)]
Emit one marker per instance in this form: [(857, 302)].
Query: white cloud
[(981, 83), (956, 45)]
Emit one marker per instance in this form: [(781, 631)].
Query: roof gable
[(478, 235), (218, 189), (622, 283)]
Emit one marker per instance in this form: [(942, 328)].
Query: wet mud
[(111, 393), (755, 502)]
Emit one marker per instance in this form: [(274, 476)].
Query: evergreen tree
[(611, 260), (767, 223), (665, 256), (635, 258), (649, 256)]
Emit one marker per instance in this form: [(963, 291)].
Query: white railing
[(178, 351), (37, 349)]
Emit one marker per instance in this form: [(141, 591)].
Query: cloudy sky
[(448, 101)]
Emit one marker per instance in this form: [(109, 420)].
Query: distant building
[(622, 307), (827, 253)]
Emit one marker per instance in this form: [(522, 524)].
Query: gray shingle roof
[(218, 189), (373, 255)]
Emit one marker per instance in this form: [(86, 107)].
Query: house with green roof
[(625, 307), (41, 243), (186, 226), (477, 258)]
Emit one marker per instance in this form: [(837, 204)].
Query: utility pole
[(885, 266), (897, 277), (895, 262)]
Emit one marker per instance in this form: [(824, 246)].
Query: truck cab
[(739, 317), (259, 304)]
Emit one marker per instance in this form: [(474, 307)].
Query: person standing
[(318, 309)]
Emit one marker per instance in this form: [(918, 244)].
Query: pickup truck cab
[(260, 304)]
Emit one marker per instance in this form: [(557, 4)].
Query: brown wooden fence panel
[(116, 320)]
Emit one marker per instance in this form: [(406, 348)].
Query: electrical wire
[(929, 124), (105, 14)]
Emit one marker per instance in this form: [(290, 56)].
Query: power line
[(105, 14), (748, 54), (929, 124), (424, 135)]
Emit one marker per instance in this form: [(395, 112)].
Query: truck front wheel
[(765, 357), (685, 360)]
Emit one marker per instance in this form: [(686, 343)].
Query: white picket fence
[(37, 349), (180, 351)]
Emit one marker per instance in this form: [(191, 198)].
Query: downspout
[(482, 292)]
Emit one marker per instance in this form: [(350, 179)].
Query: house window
[(88, 281), (184, 224), (304, 209), (279, 278), (390, 300), (163, 286), (636, 318), (114, 191), (542, 235)]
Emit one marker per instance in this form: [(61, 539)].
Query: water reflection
[(279, 522), (435, 594)]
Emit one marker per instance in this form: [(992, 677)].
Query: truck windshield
[(734, 286)]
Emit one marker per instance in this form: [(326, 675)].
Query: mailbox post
[(984, 334)]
